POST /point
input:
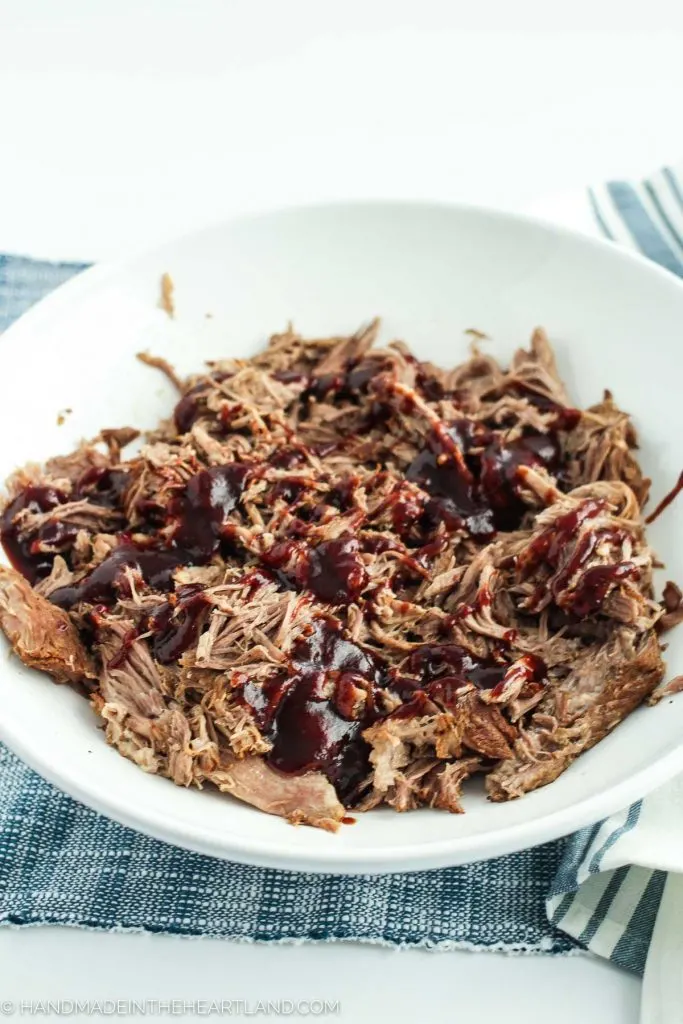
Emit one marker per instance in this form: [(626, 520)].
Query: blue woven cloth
[(61, 863)]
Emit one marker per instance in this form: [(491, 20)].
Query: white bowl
[(431, 272)]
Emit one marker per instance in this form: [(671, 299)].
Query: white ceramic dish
[(431, 272)]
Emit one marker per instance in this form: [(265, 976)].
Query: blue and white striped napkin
[(646, 216), (619, 888)]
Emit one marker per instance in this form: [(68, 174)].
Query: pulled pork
[(339, 577)]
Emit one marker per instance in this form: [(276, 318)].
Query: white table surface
[(122, 123)]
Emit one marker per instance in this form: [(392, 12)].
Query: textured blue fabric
[(61, 863), (23, 281)]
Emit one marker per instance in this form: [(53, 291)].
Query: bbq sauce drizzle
[(593, 584), (34, 556), (474, 477), (314, 712)]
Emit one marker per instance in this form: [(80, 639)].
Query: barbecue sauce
[(594, 584), (175, 628), (201, 510), (188, 409), (550, 544), (310, 734), (474, 479), (442, 670), (566, 418), (407, 511), (345, 384), (529, 669), (335, 572), (500, 478), (25, 554), (440, 661), (102, 486), (332, 570), (441, 470), (307, 712), (666, 501), (107, 580)]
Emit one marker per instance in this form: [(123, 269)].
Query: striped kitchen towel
[(619, 888)]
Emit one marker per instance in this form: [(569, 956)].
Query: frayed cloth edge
[(543, 948)]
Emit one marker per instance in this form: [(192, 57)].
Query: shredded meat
[(166, 297), (598, 693), (307, 799), (43, 636), (339, 577)]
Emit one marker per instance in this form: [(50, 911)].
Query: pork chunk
[(42, 635), (598, 693), (308, 799)]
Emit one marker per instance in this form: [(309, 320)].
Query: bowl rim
[(83, 280), (372, 859)]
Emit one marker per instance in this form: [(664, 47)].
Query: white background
[(121, 123)]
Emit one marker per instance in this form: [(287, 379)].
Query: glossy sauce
[(308, 733), (594, 584), (441, 470), (566, 418), (332, 570), (500, 482), (345, 384), (176, 627), (188, 409), (377, 544), (415, 705), (24, 555), (528, 669), (107, 581), (286, 458), (104, 487), (335, 572), (436, 661), (549, 545), (328, 649), (289, 490), (666, 501), (287, 560), (474, 478), (203, 507), (428, 552), (407, 511), (309, 730), (468, 434), (255, 579), (584, 549)]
